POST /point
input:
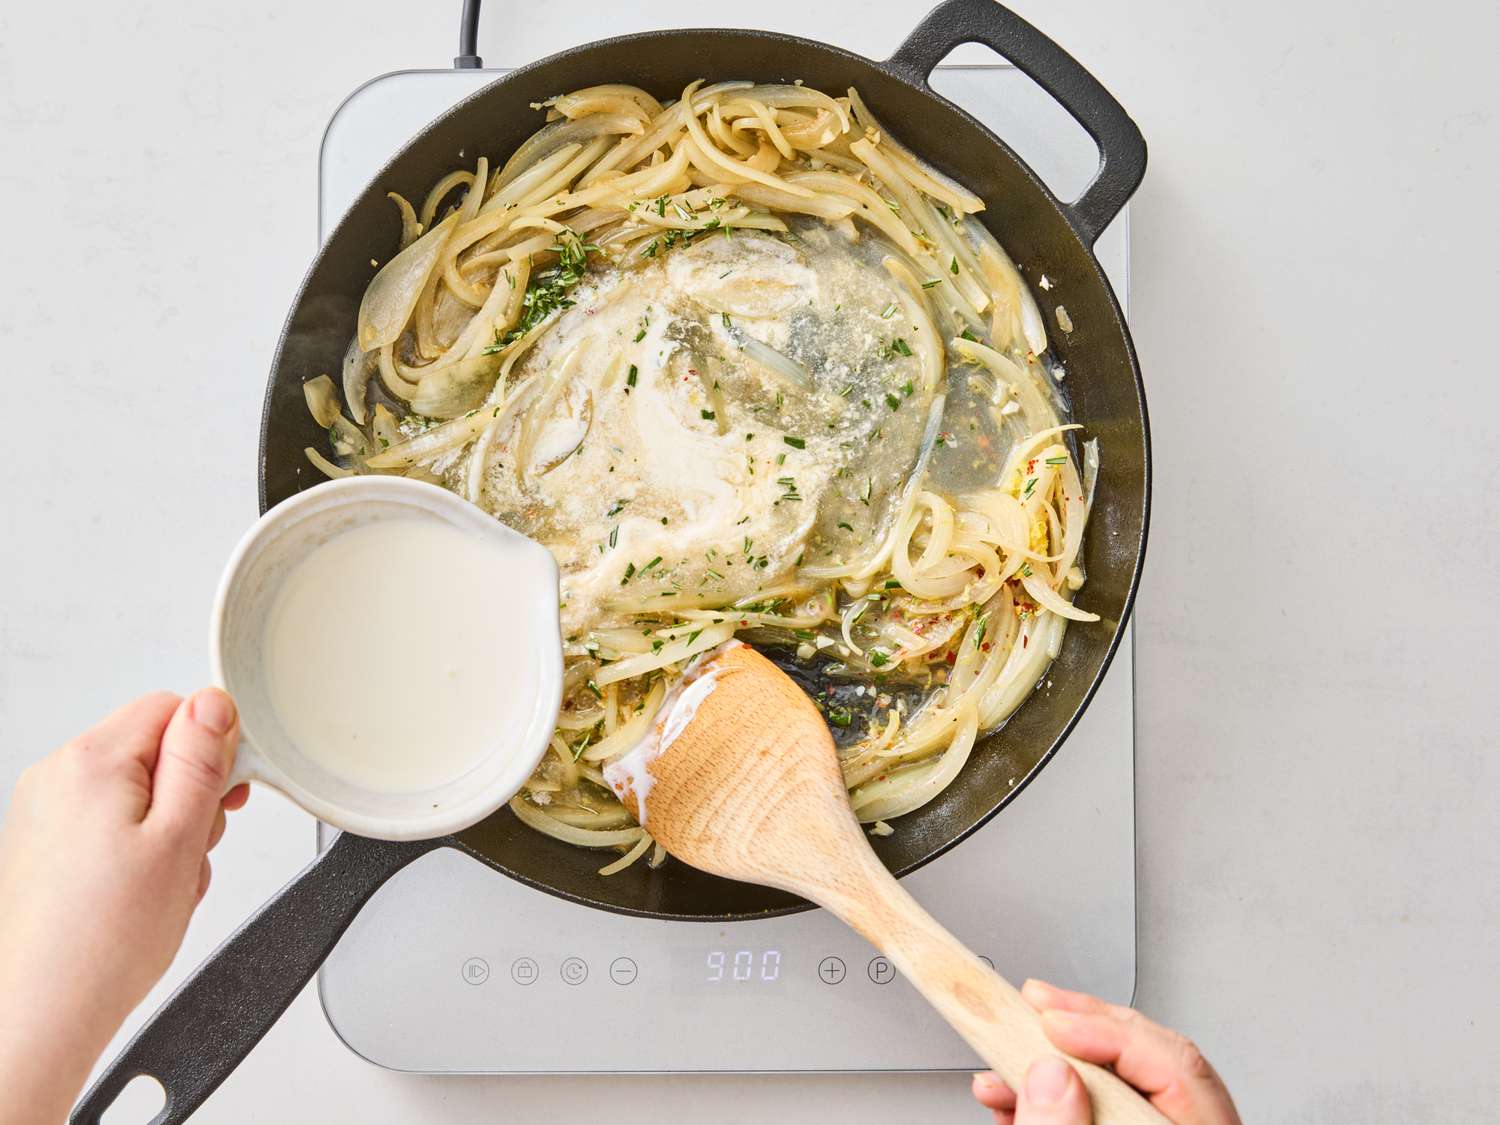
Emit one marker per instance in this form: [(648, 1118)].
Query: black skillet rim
[(920, 86)]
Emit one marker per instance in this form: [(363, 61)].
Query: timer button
[(881, 971), (831, 970), (574, 971), (622, 971)]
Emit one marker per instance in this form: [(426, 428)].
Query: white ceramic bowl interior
[(270, 550)]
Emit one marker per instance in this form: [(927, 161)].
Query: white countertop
[(1314, 282)]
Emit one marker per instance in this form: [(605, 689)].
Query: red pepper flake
[(1025, 640), (950, 658), (985, 647)]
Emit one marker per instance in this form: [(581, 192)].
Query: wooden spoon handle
[(975, 1000)]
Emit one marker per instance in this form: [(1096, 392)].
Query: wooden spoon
[(740, 779)]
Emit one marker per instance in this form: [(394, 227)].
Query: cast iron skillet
[(203, 1031)]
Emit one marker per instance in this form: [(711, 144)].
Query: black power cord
[(468, 38)]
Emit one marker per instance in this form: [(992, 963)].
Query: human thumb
[(192, 769), (1052, 1094)]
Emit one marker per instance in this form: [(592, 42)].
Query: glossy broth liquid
[(393, 657)]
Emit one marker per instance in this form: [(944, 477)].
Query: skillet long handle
[(976, 1001), (1122, 149), (206, 1028)]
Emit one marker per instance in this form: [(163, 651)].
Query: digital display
[(742, 966), (735, 970)]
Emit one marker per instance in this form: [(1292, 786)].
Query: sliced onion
[(1090, 472), (926, 177), (931, 356), (672, 653), (907, 790), (358, 367), (769, 358), (388, 302), (549, 825), (632, 150), (1048, 598), (535, 176), (501, 417), (546, 140), (322, 401), (727, 165), (325, 466), (868, 204), (628, 733), (549, 459), (641, 846), (1034, 397), (411, 230), (390, 378), (383, 427), (429, 444), (449, 391), (440, 191), (630, 101), (863, 570)]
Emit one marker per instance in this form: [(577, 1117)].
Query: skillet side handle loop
[(206, 1028), (1122, 149)]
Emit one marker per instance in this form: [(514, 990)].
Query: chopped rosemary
[(547, 292), (794, 441)]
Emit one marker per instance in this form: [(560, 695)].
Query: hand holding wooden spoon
[(740, 779)]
